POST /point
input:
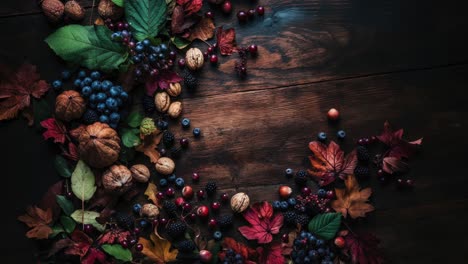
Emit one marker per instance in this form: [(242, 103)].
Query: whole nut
[(194, 59), (140, 173), (174, 89), (149, 210), (53, 9), (162, 101), (240, 202), (74, 10), (107, 9), (175, 109), (165, 166), (117, 178)]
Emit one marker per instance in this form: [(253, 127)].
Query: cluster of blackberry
[(307, 248)]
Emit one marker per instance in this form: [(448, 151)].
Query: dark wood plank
[(11, 8)]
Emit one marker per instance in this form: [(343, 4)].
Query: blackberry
[(224, 221), (90, 116), (290, 217), (210, 188), (303, 220), (168, 138), (186, 246), (124, 220), (176, 229), (301, 178), (361, 171), (170, 208), (190, 80), (363, 154), (148, 104)]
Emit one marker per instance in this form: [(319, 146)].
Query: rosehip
[(227, 7), (186, 206), (179, 201), (212, 223), (170, 192), (284, 191), (160, 195), (224, 197), (139, 247), (285, 238), (260, 10), (200, 194), (333, 114), (195, 176), (203, 211), (205, 256), (215, 206), (340, 242), (187, 192)]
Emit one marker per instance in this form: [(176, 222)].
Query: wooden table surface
[(397, 60)]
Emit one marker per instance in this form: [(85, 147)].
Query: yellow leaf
[(352, 201), (151, 192), (158, 249)]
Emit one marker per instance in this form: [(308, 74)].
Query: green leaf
[(120, 3), (87, 217), (56, 229), (129, 138), (65, 204), (134, 119), (67, 223), (179, 42), (325, 225), (118, 252), (82, 181), (61, 165), (145, 17), (89, 46)]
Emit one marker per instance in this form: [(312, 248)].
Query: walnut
[(162, 101), (117, 179), (69, 105), (149, 210), (240, 202), (74, 10), (165, 166), (194, 59), (99, 145), (175, 109), (174, 89), (140, 173), (107, 9), (53, 9)]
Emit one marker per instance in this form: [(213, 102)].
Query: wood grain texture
[(11, 8)]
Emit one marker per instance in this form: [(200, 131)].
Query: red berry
[(260, 10), (69, 194), (187, 192), (163, 221), (366, 141), (330, 194), (193, 216), (195, 176), (360, 141), (373, 139), (203, 211), (380, 173), (200, 194), (224, 197), (172, 55), (124, 244), (205, 256), (227, 7), (306, 191), (209, 14), (210, 49), (184, 142), (88, 229), (212, 223), (251, 13), (154, 72), (186, 206), (132, 242), (242, 16), (333, 114), (215, 206), (253, 49), (139, 247), (179, 201), (284, 191), (400, 182), (136, 230), (243, 71), (155, 222), (409, 183), (285, 238), (170, 192), (215, 46), (120, 26), (340, 242), (160, 195), (206, 55), (214, 59), (181, 63)]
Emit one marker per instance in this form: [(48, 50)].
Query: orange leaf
[(352, 200), (203, 30), (151, 192), (38, 220), (158, 249), (149, 147)]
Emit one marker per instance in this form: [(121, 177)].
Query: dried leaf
[(39, 221), (190, 6), (352, 200), (49, 199), (81, 244), (161, 81), (287, 248), (151, 192), (329, 162), (203, 30), (246, 252), (95, 256), (263, 223), (363, 249), (271, 254), (158, 250), (149, 147), (179, 22), (399, 148), (226, 40), (393, 165), (55, 130), (113, 236)]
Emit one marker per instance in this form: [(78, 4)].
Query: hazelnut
[(107, 9), (194, 59), (174, 89), (149, 210), (175, 109), (140, 173), (53, 9), (162, 102), (74, 10), (165, 166), (240, 202), (117, 179)]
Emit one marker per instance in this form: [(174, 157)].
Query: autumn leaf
[(72, 152), (203, 30), (271, 254), (16, 91), (158, 249), (180, 22), (55, 130), (149, 147), (393, 165), (161, 81), (113, 236), (287, 248), (329, 162), (95, 256), (151, 192), (263, 223), (249, 255), (351, 200), (398, 147), (38, 220), (226, 40), (190, 6), (81, 244), (363, 249)]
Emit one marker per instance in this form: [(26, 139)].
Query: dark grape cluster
[(241, 64), (307, 248), (150, 59), (232, 258), (313, 204)]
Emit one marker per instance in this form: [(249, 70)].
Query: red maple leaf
[(95, 256), (271, 254), (161, 81), (263, 223), (190, 6), (113, 236), (249, 255), (81, 244), (16, 91), (329, 162), (398, 147), (55, 130), (226, 40), (363, 249)]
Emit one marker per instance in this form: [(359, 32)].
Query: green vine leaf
[(83, 181), (67, 223), (118, 252), (56, 230), (134, 119), (325, 225), (61, 165), (88, 46), (146, 17), (87, 218), (130, 137), (120, 3), (65, 204), (179, 42)]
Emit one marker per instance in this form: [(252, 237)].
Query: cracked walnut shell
[(162, 101), (69, 105), (194, 59), (140, 173), (99, 145), (175, 109), (165, 166), (117, 178)]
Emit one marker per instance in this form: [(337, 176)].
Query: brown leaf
[(392, 165), (226, 40), (149, 147), (151, 192), (203, 30), (38, 220), (158, 250), (352, 200)]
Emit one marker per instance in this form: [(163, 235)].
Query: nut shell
[(69, 105), (165, 166), (117, 179), (162, 101), (149, 210), (175, 109), (99, 145), (194, 59), (174, 89), (74, 10), (240, 202), (53, 9), (107, 9), (140, 173)]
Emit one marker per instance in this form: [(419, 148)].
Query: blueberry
[(292, 201), (179, 182), (93, 98), (116, 36), (124, 96), (161, 56), (341, 134), (185, 123), (86, 91), (107, 111), (77, 83), (104, 119), (136, 59), (125, 33), (87, 81), (95, 75), (163, 182), (284, 205), (146, 42), (114, 91), (119, 102), (101, 107), (114, 118), (96, 85), (101, 97), (322, 136), (152, 58), (289, 172), (238, 256), (81, 74), (139, 48), (137, 208), (106, 85), (306, 260), (156, 49), (276, 204), (92, 105), (303, 234), (163, 125), (57, 85), (320, 242), (217, 235), (321, 193), (196, 132), (172, 178), (313, 254), (321, 251), (66, 75), (143, 223), (163, 47), (111, 103)]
